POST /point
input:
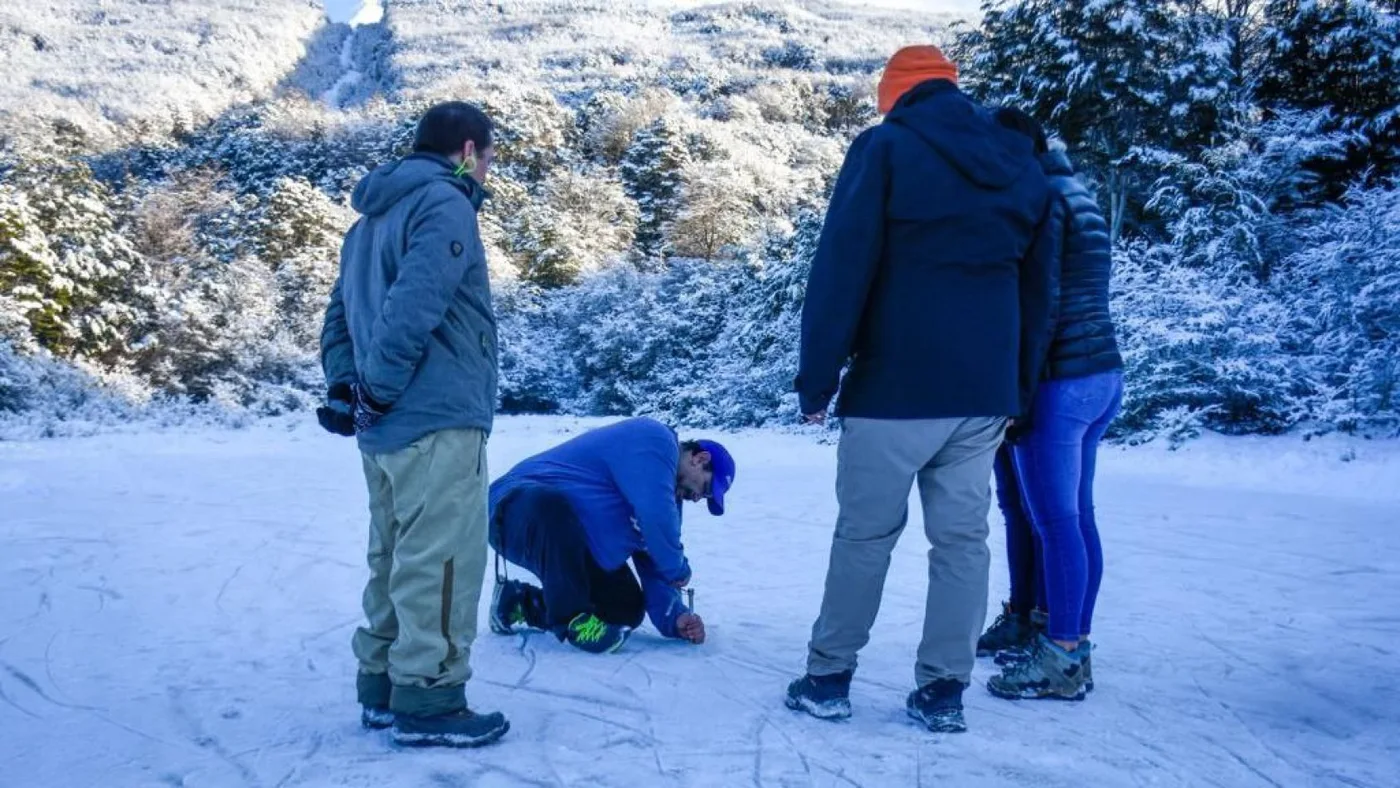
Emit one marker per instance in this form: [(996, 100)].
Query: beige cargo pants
[(427, 559)]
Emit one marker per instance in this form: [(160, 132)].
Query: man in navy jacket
[(575, 514), (931, 280)]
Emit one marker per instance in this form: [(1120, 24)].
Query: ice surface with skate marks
[(178, 608)]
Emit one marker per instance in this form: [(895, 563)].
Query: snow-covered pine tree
[(1342, 285), (64, 263), (758, 360), (579, 223), (652, 174), (214, 316), (1227, 209), (1109, 78), (298, 235), (1344, 56)]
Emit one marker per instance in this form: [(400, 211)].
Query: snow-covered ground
[(178, 606)]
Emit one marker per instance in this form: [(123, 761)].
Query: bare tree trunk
[(1117, 204)]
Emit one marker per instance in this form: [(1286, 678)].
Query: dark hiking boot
[(375, 718), (823, 697), (938, 706), (464, 728), (1010, 630)]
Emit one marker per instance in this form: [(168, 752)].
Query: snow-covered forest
[(173, 187)]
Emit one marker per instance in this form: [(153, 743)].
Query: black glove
[(367, 411), (1019, 428), (336, 415)]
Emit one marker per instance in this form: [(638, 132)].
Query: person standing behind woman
[(1056, 446)]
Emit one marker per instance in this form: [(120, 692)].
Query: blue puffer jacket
[(932, 274), (410, 315), (1084, 341)]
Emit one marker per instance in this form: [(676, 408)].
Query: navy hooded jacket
[(933, 273)]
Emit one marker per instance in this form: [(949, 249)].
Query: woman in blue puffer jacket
[(1054, 448)]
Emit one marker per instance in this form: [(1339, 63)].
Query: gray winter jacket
[(410, 315)]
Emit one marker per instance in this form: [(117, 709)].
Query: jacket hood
[(987, 154), (386, 185)]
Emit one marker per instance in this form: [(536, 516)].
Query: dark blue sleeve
[(1040, 297), (646, 475), (847, 257), (664, 603)]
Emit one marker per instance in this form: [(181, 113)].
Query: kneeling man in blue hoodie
[(575, 514)]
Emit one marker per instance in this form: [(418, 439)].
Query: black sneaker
[(464, 728), (375, 718), (509, 605), (823, 697), (1010, 630), (938, 706)]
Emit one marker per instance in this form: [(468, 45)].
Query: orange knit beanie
[(911, 66)]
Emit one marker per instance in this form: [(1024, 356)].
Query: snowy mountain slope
[(110, 68), (103, 65), (179, 606), (444, 46)]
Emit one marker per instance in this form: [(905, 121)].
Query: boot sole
[(841, 711), (1034, 694), (613, 649), (957, 727), (375, 722), (453, 740)]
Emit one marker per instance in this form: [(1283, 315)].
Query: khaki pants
[(877, 463), (427, 558)]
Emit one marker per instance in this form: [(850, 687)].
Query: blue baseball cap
[(723, 466)]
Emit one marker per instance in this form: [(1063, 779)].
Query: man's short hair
[(445, 128)]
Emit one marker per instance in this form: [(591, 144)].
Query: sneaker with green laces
[(516, 607), (592, 634)]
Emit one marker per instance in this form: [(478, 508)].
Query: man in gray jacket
[(409, 352)]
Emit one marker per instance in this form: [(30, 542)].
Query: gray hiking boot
[(1086, 655), (1050, 672)]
